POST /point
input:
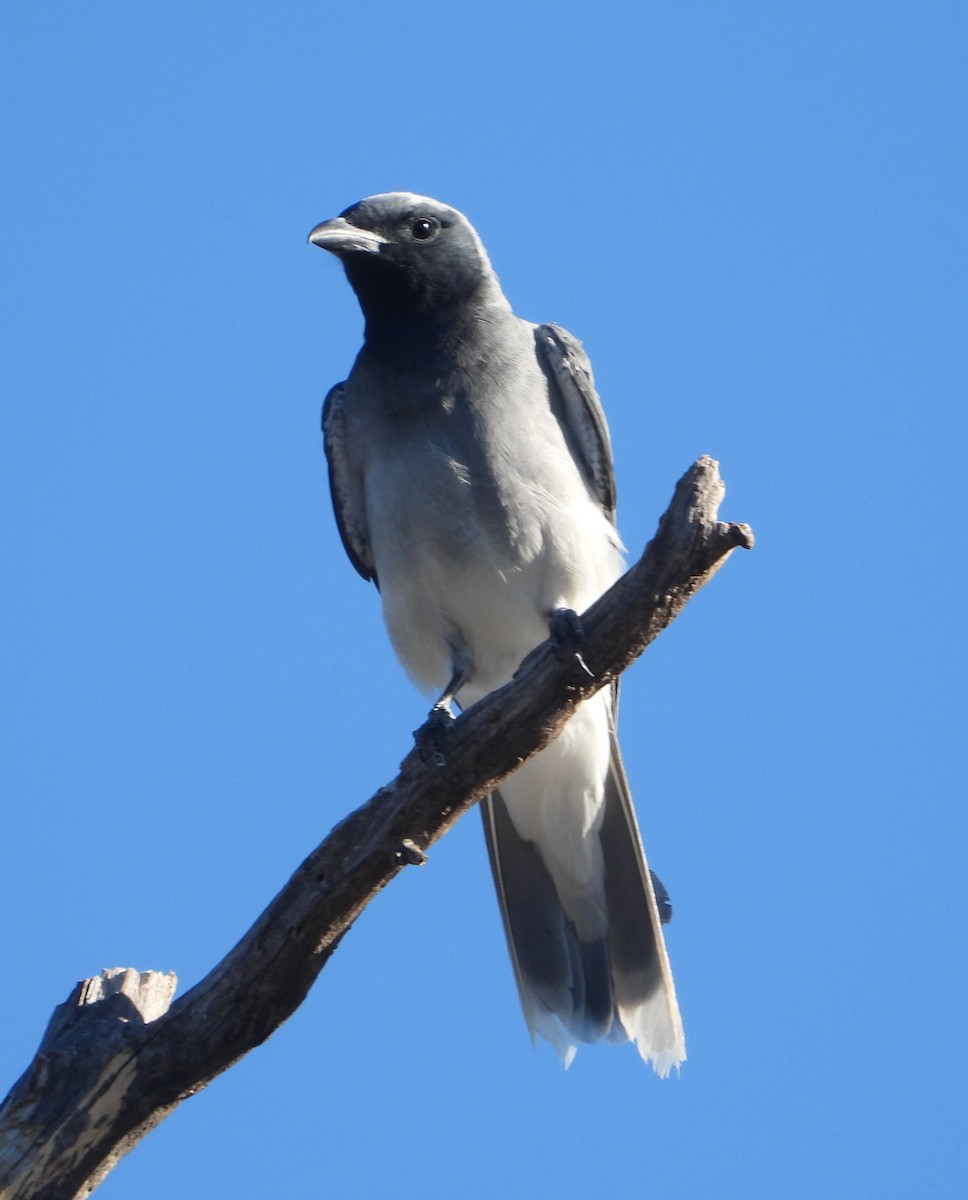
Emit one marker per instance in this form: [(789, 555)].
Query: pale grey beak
[(340, 237)]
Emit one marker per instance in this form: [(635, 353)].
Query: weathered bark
[(116, 1059)]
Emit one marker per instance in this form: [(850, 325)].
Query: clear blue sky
[(754, 216)]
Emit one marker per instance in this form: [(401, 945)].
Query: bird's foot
[(436, 733), (568, 637)]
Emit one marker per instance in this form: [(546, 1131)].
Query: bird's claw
[(568, 637)]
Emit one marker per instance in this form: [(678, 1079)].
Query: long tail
[(617, 986)]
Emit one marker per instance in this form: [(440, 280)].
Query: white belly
[(450, 585)]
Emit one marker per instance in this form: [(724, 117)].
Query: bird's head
[(409, 256)]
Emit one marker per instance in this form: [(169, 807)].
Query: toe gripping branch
[(432, 738), (568, 636)]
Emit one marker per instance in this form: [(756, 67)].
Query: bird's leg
[(457, 680), (432, 737), (568, 637)]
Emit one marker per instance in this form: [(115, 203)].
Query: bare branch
[(116, 1059)]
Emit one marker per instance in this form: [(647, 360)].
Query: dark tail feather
[(573, 991)]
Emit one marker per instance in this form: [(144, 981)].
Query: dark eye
[(423, 228)]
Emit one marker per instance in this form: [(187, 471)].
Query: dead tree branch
[(117, 1057)]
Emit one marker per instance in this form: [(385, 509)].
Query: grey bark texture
[(118, 1055)]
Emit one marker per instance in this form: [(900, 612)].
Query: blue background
[(754, 216)]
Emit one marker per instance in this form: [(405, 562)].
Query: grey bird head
[(409, 256)]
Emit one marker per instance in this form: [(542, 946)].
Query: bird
[(471, 474)]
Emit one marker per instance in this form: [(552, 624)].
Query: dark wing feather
[(580, 411), (346, 487), (583, 418)]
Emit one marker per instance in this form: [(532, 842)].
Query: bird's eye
[(423, 228)]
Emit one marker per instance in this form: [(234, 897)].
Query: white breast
[(447, 578)]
